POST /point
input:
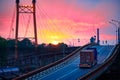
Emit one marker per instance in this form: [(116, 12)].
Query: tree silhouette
[(11, 43), (25, 43), (3, 53)]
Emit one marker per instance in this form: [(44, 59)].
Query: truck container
[(88, 58), (95, 52)]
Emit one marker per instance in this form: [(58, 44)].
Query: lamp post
[(78, 41), (116, 30), (118, 22)]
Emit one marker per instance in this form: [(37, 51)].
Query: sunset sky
[(63, 20)]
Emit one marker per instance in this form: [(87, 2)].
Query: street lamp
[(116, 29)]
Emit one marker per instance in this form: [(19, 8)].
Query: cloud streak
[(71, 19)]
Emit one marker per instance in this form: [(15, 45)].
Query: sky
[(63, 20)]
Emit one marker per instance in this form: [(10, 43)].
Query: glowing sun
[(55, 42)]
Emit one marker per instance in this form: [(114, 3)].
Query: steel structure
[(28, 9)]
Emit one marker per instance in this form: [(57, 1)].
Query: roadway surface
[(72, 71)]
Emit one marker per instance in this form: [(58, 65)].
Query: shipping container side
[(87, 58), (95, 52)]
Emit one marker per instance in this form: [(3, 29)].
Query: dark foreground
[(113, 73)]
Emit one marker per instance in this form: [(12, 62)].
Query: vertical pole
[(35, 28), (119, 34), (98, 41), (116, 35), (16, 33)]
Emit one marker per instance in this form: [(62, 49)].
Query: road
[(72, 71)]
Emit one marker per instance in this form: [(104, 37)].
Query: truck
[(88, 58)]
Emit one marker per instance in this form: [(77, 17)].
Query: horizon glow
[(65, 20)]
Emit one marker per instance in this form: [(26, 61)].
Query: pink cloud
[(67, 18), (107, 37)]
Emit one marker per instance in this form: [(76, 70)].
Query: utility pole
[(26, 9)]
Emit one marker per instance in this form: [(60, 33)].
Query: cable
[(27, 25), (12, 22)]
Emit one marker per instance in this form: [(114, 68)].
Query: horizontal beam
[(26, 37)]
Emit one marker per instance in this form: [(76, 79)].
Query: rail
[(34, 72), (102, 67)]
